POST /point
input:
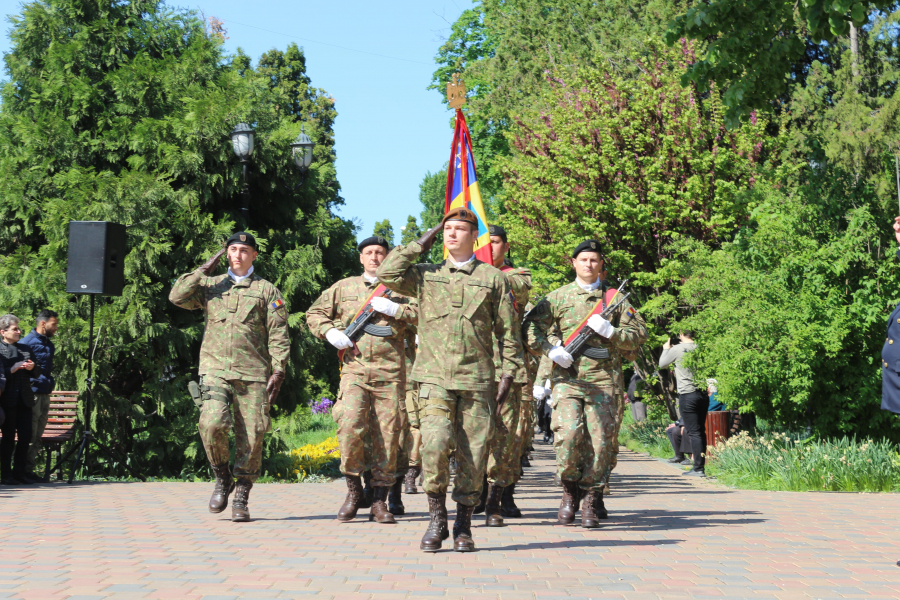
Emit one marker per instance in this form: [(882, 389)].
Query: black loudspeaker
[(96, 258)]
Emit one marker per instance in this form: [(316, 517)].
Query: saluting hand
[(209, 266), (427, 240)]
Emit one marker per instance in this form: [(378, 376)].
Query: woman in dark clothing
[(16, 400)]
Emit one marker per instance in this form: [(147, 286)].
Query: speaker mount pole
[(88, 436)]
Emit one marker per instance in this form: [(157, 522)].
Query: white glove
[(538, 392), (561, 357), (338, 339), (603, 327), (385, 306)]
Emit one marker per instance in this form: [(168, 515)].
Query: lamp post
[(242, 143), (302, 152)]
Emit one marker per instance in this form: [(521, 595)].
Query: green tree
[(432, 196), (385, 230), (632, 162), (754, 49), (120, 111), (790, 315), (411, 231)]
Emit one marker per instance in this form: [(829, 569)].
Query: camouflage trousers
[(503, 463), (585, 425), (524, 433), (460, 419), (247, 414), (410, 437), (368, 414)]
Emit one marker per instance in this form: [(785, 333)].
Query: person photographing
[(692, 401)]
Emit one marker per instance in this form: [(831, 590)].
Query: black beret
[(242, 237), (498, 231), (375, 240), (586, 246)]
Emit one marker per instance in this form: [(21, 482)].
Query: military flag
[(462, 187)]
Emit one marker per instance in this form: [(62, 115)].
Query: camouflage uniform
[(246, 339), (373, 383), (504, 460), (462, 310), (586, 409), (412, 442)]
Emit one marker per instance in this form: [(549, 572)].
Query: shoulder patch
[(278, 304)]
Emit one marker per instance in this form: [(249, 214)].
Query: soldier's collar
[(466, 267)]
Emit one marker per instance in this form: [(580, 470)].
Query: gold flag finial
[(456, 92)]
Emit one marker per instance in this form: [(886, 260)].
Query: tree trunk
[(854, 49)]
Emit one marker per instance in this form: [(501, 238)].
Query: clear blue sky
[(390, 130)]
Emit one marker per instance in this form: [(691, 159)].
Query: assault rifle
[(361, 325), (578, 345)]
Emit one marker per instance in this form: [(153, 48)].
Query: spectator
[(635, 396), (42, 350), (712, 389), (692, 402), (17, 400), (680, 443)]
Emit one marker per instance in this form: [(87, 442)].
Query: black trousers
[(694, 407), (679, 444), (13, 454)]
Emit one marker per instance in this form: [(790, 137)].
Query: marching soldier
[(242, 364), (465, 309), (373, 377), (586, 405), (504, 461)]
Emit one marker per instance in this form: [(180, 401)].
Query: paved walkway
[(666, 538)]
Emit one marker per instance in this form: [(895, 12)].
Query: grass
[(648, 437)]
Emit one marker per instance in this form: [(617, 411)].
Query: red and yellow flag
[(599, 308), (462, 187)]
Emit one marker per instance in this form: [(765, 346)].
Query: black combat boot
[(569, 503), (351, 504), (437, 527), (462, 529), (368, 492), (525, 462), (493, 518), (508, 506), (240, 513), (395, 499), (589, 517), (479, 508), (379, 511), (599, 508), (409, 482), (224, 486)]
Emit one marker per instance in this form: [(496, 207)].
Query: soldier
[(242, 364), (504, 461), (586, 406), (465, 309), (373, 377)]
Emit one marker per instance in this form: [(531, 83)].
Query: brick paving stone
[(666, 539)]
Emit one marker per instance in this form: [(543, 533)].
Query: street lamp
[(302, 152), (242, 143)]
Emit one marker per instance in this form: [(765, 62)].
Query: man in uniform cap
[(242, 364), (465, 309), (373, 378), (504, 460), (586, 406)]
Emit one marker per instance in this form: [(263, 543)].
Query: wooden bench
[(60, 425)]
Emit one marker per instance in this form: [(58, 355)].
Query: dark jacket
[(43, 350), (18, 384)]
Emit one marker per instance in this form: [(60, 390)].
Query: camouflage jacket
[(379, 358), (463, 311), (565, 309), (519, 280), (246, 334)]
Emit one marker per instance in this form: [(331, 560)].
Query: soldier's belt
[(378, 330), (596, 353)]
